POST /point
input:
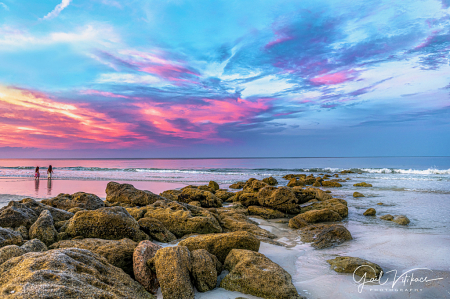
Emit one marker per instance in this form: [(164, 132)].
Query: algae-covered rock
[(294, 182), (317, 193), (145, 251), (82, 200), (335, 204), (117, 252), (43, 229), (253, 185), (34, 245), (204, 270), (37, 207), (112, 223), (314, 216), (9, 237), (387, 217), (156, 230), (281, 199), (347, 264), (10, 251), (331, 184), (233, 220), (324, 236), (129, 195), (363, 184), (66, 273), (206, 198), (224, 195), (370, 212), (16, 214), (271, 181), (357, 194), (171, 194), (213, 185), (23, 232), (237, 185), (247, 199), (173, 267), (265, 213), (253, 273), (401, 219), (221, 244)]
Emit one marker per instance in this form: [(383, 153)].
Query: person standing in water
[(36, 173), (49, 172)]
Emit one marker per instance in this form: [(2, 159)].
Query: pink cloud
[(331, 79)]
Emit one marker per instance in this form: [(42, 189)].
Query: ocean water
[(418, 187)]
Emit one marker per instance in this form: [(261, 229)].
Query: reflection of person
[(36, 173), (49, 172), (49, 187)]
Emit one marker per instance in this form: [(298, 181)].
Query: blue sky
[(224, 78)]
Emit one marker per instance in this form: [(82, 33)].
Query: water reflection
[(36, 186), (49, 187)]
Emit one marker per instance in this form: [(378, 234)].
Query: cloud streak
[(57, 10)]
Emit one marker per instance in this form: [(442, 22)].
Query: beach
[(415, 187)]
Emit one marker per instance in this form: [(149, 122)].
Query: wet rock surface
[(43, 229), (265, 213), (347, 264), (324, 236), (128, 195), (314, 216), (205, 269), (145, 251), (156, 230), (9, 237), (370, 212), (206, 198), (81, 200)]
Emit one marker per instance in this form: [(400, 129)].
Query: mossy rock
[(370, 212), (331, 184), (314, 216), (271, 181), (265, 213), (357, 194), (325, 235), (360, 267), (363, 184), (129, 196), (81, 200), (281, 199)]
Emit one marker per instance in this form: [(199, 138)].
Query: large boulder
[(37, 207), (314, 216), (271, 181), (213, 185), (303, 195), (294, 182), (117, 252), (265, 213), (324, 236), (44, 229), (370, 212), (237, 185), (253, 273), (401, 219), (85, 201), (224, 195), (253, 185), (11, 251), (204, 270), (66, 273), (206, 198), (358, 194), (221, 244), (34, 245), (9, 237), (281, 199), (113, 223), (233, 220), (335, 204), (16, 214), (360, 267), (128, 195), (173, 267), (247, 199), (171, 194), (145, 251), (181, 219), (317, 193), (156, 230)]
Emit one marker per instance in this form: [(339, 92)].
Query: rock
[(156, 230), (380, 203), (281, 199), (314, 216), (117, 252), (145, 251), (265, 213), (127, 194), (401, 219), (113, 223), (183, 219), (253, 273), (237, 185), (247, 199), (387, 217), (204, 270), (85, 201), (34, 245), (317, 193), (9, 237), (357, 194), (253, 185), (347, 264), (173, 267), (324, 236), (213, 185), (10, 251), (171, 194), (294, 182), (195, 203), (74, 210), (363, 184), (43, 229), (37, 207), (346, 171), (224, 195), (331, 184), (23, 232), (303, 195), (370, 212), (336, 204), (16, 214), (206, 198), (66, 273), (221, 244), (270, 181), (232, 220), (317, 184)]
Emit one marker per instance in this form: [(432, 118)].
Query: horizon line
[(225, 158)]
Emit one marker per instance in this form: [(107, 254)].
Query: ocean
[(418, 187)]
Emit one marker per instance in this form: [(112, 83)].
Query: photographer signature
[(405, 278)]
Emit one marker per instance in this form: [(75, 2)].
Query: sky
[(235, 78)]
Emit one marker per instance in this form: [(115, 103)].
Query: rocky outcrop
[(171, 194), (113, 223), (37, 207), (206, 198), (205, 269), (347, 264), (401, 219), (265, 213), (16, 214), (314, 216), (324, 236), (221, 244), (9, 237), (85, 201), (253, 185), (253, 273), (247, 199), (271, 181), (173, 267), (213, 185), (294, 182), (34, 245), (237, 185), (357, 194), (128, 195), (370, 212), (318, 194), (117, 252), (11, 251), (145, 251), (335, 204), (224, 195), (331, 184), (363, 184), (281, 199), (66, 273), (156, 230), (43, 229)]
